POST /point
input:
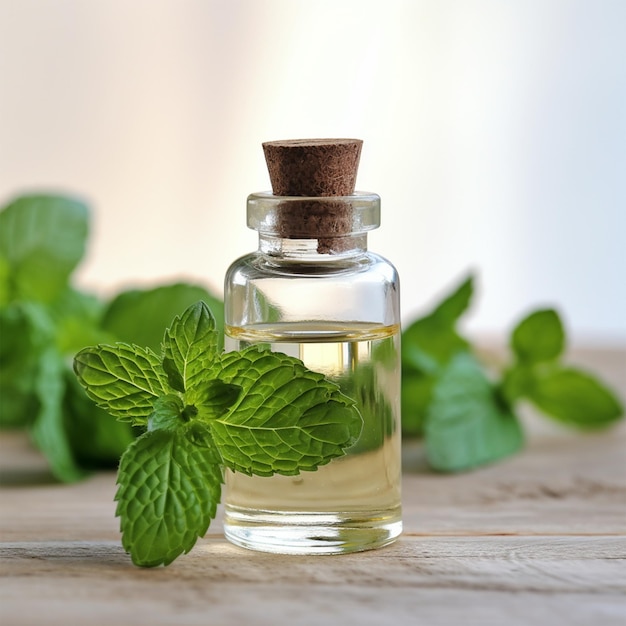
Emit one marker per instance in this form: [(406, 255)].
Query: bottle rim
[(313, 216)]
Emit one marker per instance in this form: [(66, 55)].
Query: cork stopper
[(315, 168)]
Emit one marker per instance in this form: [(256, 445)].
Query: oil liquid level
[(353, 502)]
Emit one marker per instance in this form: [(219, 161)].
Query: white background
[(495, 132)]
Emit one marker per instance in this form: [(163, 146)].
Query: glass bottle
[(324, 298)]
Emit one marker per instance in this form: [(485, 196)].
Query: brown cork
[(315, 168)]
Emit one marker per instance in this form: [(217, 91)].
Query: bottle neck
[(319, 250), (316, 228)]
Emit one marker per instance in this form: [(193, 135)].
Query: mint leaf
[(453, 306), (213, 398), (48, 429), (6, 281), (467, 425), (189, 346), (575, 397), (286, 419), (42, 240), (416, 394), (96, 440), (77, 316), (167, 413), (26, 332), (518, 382), (124, 380), (538, 337), (564, 393), (428, 344), (139, 316), (169, 488)]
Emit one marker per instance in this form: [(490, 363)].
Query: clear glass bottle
[(334, 305)]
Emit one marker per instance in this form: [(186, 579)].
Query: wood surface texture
[(537, 539)]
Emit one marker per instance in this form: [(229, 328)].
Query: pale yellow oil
[(352, 503)]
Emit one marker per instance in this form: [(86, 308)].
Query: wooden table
[(537, 539)]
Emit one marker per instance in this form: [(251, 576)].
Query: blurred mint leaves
[(253, 411), (45, 320), (467, 414), (539, 375)]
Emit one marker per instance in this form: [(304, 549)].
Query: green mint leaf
[(431, 341), (213, 398), (42, 240), (201, 436), (167, 413), (286, 419), (169, 488), (575, 397), (139, 316), (48, 429), (428, 344), (416, 394), (467, 424), (189, 346), (96, 440), (174, 377), (124, 380), (6, 280), (26, 332), (453, 306), (77, 319), (564, 393), (518, 382), (539, 337)]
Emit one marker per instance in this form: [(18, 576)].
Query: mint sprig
[(253, 411), (44, 321), (539, 375), (468, 413)]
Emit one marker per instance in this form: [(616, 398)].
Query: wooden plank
[(292, 604), (440, 579), (545, 564)]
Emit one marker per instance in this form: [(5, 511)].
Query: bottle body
[(339, 314)]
